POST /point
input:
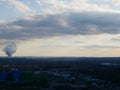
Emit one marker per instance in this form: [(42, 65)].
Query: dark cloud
[(100, 46), (44, 26), (116, 39)]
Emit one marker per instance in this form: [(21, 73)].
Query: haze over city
[(60, 27)]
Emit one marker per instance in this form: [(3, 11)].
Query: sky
[(85, 28)]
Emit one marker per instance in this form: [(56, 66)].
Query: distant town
[(59, 73)]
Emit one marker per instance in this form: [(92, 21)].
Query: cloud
[(38, 2), (17, 4), (116, 2), (65, 6), (3, 22), (47, 25), (100, 46), (116, 39)]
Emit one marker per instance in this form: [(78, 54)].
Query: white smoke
[(10, 49)]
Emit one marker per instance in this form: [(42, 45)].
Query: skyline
[(61, 27)]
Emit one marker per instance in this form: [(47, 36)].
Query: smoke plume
[(10, 49)]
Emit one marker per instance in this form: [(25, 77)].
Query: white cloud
[(17, 4), (2, 22), (38, 2), (116, 2), (65, 6)]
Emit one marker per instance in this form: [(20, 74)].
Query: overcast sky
[(61, 27)]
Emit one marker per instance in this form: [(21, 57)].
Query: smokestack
[(10, 49)]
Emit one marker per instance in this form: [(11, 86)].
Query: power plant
[(10, 49)]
